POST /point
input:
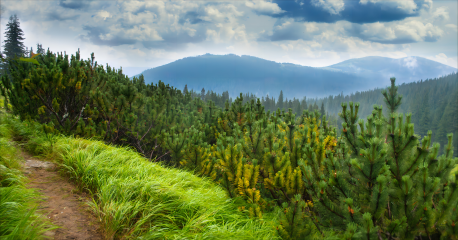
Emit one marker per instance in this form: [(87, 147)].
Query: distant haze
[(244, 74)]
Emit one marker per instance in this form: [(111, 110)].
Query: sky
[(138, 35)]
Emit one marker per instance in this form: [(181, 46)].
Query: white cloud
[(442, 58), (264, 7), (452, 26), (378, 32), (332, 6), (441, 14), (103, 14), (418, 31), (311, 27), (408, 31), (410, 62)]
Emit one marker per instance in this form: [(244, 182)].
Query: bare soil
[(62, 203)]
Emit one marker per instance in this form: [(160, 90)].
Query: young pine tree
[(372, 188)]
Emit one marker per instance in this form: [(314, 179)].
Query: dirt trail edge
[(63, 204)]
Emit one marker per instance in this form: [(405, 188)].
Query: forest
[(432, 102), (377, 179)]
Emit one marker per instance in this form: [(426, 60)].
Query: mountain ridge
[(246, 73)]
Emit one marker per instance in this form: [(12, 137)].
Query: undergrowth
[(136, 199)]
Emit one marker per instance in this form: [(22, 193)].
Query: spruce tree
[(14, 45), (40, 49), (322, 111), (424, 123), (280, 100)]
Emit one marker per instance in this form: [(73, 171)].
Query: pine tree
[(424, 122), (280, 103), (322, 111), (185, 90), (14, 45), (376, 189), (40, 49)]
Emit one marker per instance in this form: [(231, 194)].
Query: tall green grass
[(137, 199), (18, 217)]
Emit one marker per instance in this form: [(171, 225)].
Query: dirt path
[(62, 202)]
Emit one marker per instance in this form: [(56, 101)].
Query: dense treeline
[(432, 102), (377, 181)]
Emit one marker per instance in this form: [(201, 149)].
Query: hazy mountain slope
[(405, 70), (250, 74)]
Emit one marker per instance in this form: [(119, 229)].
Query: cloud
[(74, 4), (288, 29), (400, 33), (55, 16), (444, 59), (331, 6), (363, 11), (441, 14), (406, 5), (103, 14), (410, 62), (452, 26), (307, 32), (191, 17), (263, 7), (169, 26), (100, 36)]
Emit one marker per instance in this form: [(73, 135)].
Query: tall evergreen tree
[(280, 100), (14, 45), (425, 117), (40, 49), (185, 90), (322, 111)]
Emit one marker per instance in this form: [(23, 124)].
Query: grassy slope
[(18, 218), (134, 198)]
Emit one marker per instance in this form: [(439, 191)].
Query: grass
[(137, 199), (18, 217)]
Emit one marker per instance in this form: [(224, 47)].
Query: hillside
[(264, 174), (237, 74), (131, 198)]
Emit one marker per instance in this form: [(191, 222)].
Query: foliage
[(136, 199), (384, 182)]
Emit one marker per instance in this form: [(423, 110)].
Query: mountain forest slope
[(237, 74)]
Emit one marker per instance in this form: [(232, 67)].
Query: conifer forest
[(377, 164)]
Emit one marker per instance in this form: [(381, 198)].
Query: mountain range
[(262, 77)]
